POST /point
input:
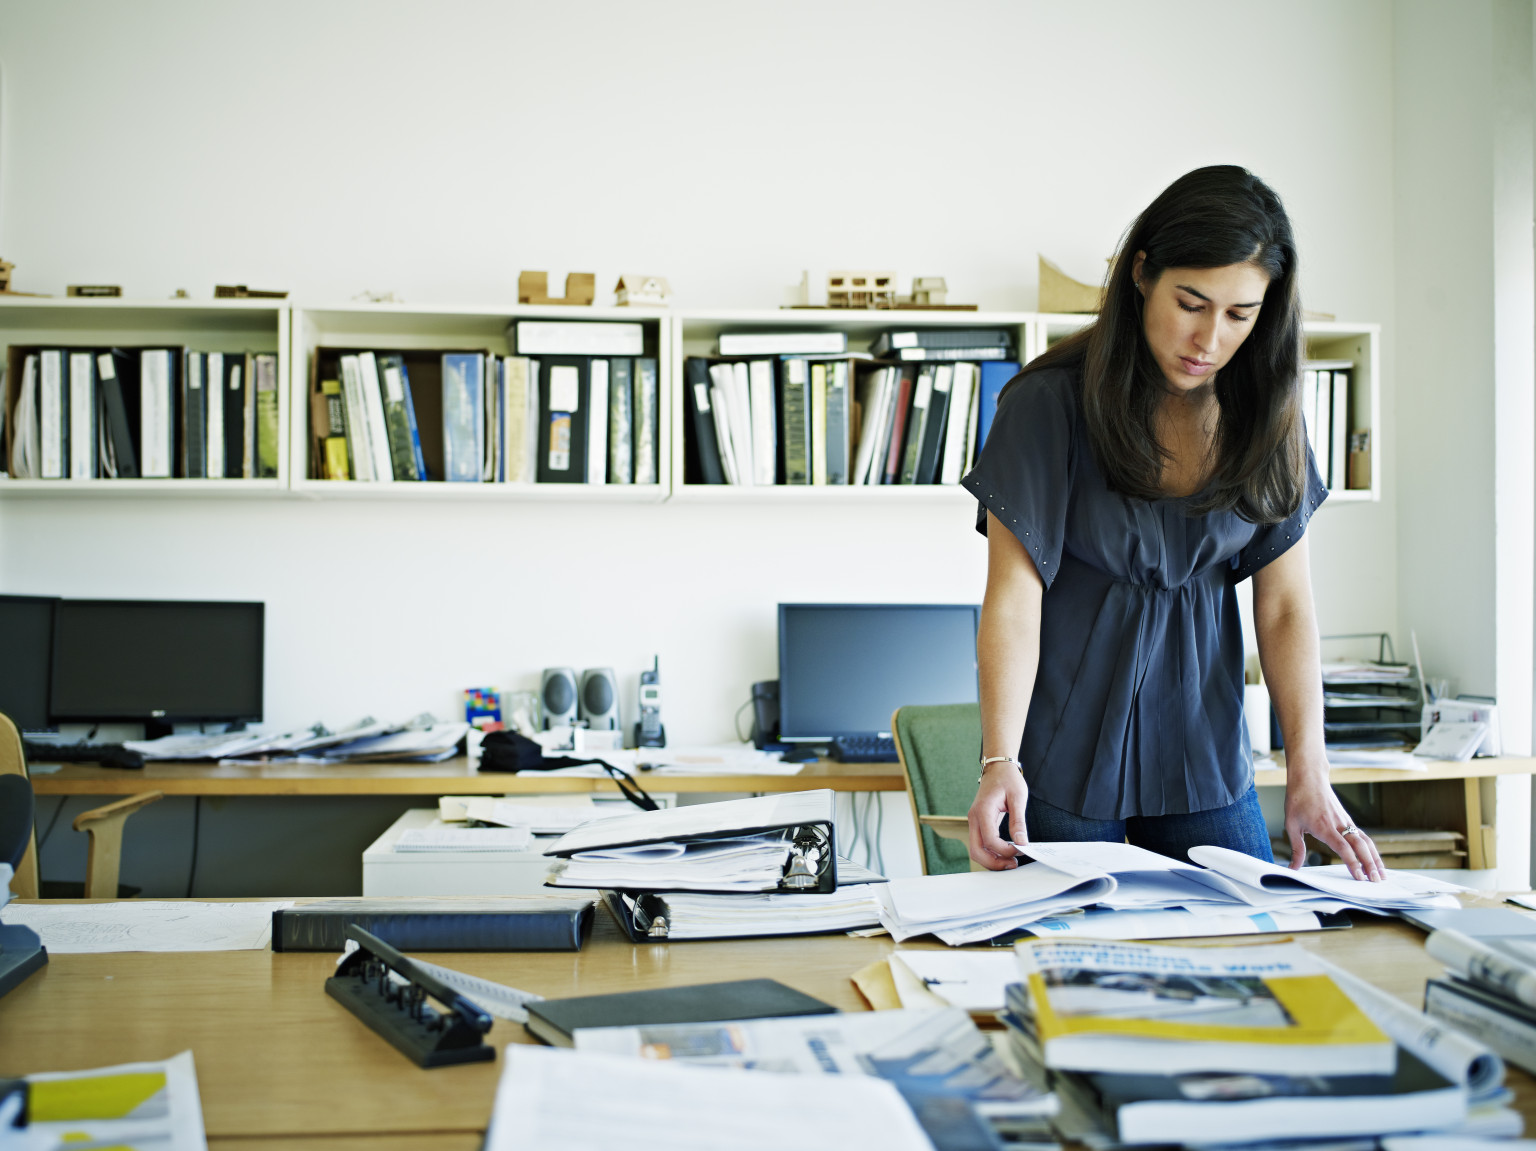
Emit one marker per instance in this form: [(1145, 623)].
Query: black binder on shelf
[(564, 397), (507, 923), (804, 821), (703, 460), (117, 374)]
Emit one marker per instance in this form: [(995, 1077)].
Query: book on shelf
[(1338, 447), (795, 401), (117, 376), (517, 420), (873, 395), (994, 376), (53, 414), (621, 421), (264, 367), (917, 425), (490, 413), (647, 420), (463, 416), (765, 449), (562, 456), (328, 427), (359, 444), (578, 338), (929, 450), (23, 433), (897, 340), (232, 381), (401, 431), (817, 343), (384, 464), (896, 428), (213, 406), (158, 388), (194, 421), (838, 416), (82, 415), (597, 421), (958, 424), (701, 464), (818, 423)]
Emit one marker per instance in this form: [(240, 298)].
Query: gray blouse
[(1138, 701)]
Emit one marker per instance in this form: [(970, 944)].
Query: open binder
[(609, 853)]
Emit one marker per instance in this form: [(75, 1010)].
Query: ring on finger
[(1350, 830)]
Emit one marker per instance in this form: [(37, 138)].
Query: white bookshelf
[(227, 326), (697, 333), (446, 327)]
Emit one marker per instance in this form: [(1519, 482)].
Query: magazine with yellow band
[(1127, 1007)]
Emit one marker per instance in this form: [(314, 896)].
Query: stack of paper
[(471, 839), (747, 864), (541, 818), (1133, 893), (695, 916)]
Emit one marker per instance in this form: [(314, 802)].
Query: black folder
[(553, 1020), (562, 432), (507, 923)]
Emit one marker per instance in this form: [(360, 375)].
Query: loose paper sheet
[(134, 925)]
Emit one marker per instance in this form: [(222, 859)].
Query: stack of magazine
[(1156, 1044), (1488, 991), (763, 866)]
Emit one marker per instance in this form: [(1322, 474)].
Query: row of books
[(803, 419), (478, 417), (1343, 456), (123, 413), (894, 344)]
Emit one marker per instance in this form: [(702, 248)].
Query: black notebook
[(553, 1020)]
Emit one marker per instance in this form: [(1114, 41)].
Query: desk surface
[(451, 777), (455, 777), (277, 1057)]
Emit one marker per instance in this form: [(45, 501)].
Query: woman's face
[(1196, 318)]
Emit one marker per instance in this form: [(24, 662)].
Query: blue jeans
[(1239, 826)]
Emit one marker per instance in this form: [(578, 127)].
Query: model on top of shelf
[(1133, 474), (634, 291), (533, 288)]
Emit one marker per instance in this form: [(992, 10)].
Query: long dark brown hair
[(1209, 218)]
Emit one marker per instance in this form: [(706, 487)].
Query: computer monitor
[(843, 668), (26, 651), (157, 662)]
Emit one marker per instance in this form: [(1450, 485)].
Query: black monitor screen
[(843, 668), (26, 647), (160, 660)]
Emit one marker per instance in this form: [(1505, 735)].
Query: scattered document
[(973, 980), (433, 743), (545, 1101), (1400, 890), (464, 839), (939, 1051), (1173, 923), (542, 818), (746, 864), (148, 925), (132, 1105), (1385, 758)]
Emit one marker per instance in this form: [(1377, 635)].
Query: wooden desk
[(451, 777), (276, 1057)]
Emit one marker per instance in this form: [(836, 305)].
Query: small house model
[(929, 291), (642, 291), (533, 288), (5, 276), (861, 289)]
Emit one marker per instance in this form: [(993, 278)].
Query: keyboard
[(106, 754), (864, 749)]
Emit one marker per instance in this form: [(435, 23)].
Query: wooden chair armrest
[(105, 826), (120, 810)]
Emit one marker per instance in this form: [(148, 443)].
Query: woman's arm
[(1288, 651), (1008, 655)]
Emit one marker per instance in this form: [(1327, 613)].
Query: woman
[(1132, 476)]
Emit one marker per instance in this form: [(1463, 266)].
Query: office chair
[(103, 824), (939, 747)]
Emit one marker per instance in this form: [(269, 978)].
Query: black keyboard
[(864, 749), (106, 754)]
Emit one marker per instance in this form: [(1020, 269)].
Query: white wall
[(436, 150)]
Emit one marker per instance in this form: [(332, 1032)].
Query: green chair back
[(939, 747)]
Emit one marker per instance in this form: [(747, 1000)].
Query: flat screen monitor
[(26, 650), (843, 668), (157, 661)]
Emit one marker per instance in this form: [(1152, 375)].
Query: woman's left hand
[(1312, 809)]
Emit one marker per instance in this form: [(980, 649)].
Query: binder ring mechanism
[(389, 993), (807, 858)]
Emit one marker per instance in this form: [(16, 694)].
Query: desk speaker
[(558, 691), (600, 699)]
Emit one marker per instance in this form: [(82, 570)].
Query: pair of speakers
[(593, 698)]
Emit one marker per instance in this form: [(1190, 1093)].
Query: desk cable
[(197, 819)]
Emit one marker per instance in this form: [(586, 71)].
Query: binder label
[(560, 441)]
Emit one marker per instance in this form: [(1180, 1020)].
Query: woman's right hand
[(1002, 791)]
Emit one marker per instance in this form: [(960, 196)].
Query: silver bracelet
[(988, 761)]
